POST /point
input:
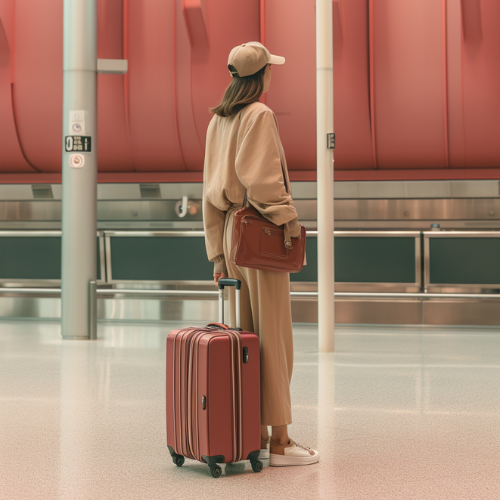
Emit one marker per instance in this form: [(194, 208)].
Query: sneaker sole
[(264, 455), (285, 461)]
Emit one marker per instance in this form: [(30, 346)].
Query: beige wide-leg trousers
[(266, 310)]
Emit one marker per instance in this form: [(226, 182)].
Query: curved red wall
[(416, 86)]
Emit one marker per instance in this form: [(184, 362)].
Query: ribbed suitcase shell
[(213, 425)]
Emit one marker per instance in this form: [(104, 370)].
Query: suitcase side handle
[(237, 284)]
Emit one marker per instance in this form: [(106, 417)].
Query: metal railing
[(297, 295)]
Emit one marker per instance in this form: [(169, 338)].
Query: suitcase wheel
[(257, 466), (216, 471), (177, 459)]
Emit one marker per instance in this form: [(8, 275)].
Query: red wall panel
[(37, 84), (114, 152), (150, 35), (408, 83), (292, 93), (175, 75), (481, 82), (456, 131), (11, 155), (202, 74), (192, 144), (416, 85), (353, 149)]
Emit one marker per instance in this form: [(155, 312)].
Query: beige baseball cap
[(250, 57)]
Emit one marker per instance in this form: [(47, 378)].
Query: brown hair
[(243, 90)]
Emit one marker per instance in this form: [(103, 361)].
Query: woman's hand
[(219, 276)]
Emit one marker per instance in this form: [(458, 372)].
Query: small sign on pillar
[(80, 143)]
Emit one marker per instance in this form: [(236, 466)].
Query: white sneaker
[(264, 453), (293, 455)]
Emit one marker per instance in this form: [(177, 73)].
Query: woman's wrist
[(220, 265), (294, 227)]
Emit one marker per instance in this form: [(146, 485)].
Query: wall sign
[(78, 143), (76, 161), (330, 141), (77, 121)]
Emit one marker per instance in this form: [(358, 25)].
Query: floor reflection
[(396, 413)]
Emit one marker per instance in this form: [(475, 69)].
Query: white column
[(79, 167), (324, 116)]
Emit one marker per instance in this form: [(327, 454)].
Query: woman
[(244, 155)]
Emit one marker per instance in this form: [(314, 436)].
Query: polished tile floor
[(397, 413)]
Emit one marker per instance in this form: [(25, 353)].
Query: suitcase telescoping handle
[(237, 285)]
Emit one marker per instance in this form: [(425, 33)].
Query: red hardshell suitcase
[(213, 392)]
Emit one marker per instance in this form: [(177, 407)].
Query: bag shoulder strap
[(288, 240)]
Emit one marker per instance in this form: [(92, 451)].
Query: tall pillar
[(79, 167), (325, 144)]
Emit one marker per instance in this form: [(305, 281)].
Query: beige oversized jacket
[(244, 153)]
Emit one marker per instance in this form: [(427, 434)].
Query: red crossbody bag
[(260, 244)]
